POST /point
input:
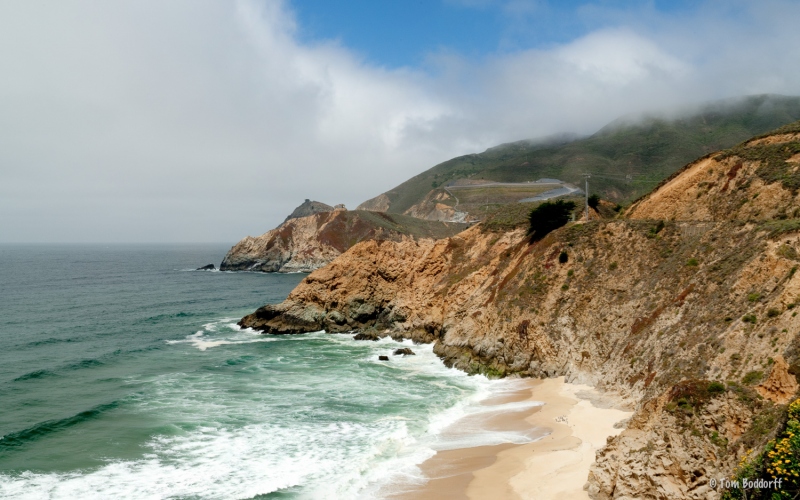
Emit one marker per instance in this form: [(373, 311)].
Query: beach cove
[(569, 425)]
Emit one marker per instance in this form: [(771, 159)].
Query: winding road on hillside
[(562, 189)]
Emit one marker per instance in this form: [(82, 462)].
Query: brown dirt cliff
[(681, 318)]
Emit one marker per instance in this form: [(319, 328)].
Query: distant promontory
[(316, 233)]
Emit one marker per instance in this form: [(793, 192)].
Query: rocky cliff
[(307, 208), (303, 244), (628, 313), (689, 319)]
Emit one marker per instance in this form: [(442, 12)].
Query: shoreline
[(571, 425)]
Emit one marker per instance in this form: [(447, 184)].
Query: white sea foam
[(219, 463), (226, 333), (463, 425), (210, 457)]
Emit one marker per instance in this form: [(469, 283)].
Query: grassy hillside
[(650, 150)]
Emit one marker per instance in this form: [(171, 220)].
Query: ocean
[(123, 375)]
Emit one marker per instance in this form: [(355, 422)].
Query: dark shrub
[(752, 377), (656, 229), (715, 388), (563, 257), (549, 216), (594, 201), (689, 395)]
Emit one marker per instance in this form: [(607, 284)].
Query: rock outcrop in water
[(307, 243), (688, 318)]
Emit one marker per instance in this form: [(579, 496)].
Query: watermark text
[(746, 484)]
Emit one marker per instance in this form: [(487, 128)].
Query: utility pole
[(586, 178)]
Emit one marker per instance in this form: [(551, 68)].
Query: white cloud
[(211, 105), (209, 120), (618, 59)]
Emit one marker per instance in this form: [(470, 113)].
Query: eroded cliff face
[(293, 246), (692, 323), (437, 205)]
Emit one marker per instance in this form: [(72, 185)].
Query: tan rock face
[(781, 386), (433, 207), (293, 246), (665, 454), (775, 139), (714, 189)]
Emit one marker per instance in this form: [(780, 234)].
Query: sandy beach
[(569, 428)]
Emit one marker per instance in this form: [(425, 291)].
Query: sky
[(209, 120)]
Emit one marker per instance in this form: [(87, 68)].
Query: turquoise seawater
[(123, 375)]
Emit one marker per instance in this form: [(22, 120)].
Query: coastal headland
[(312, 236)]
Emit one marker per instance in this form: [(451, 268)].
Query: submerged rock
[(405, 351), (383, 358), (207, 267)]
